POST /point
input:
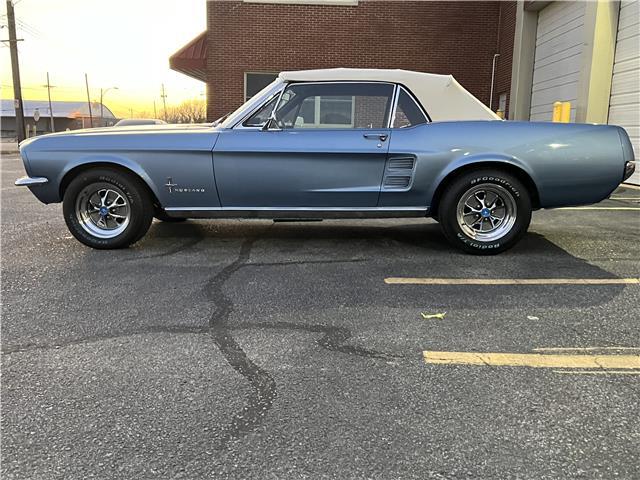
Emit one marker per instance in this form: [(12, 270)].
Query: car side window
[(259, 118), (407, 113), (335, 105)]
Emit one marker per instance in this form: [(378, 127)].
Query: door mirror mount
[(272, 124)]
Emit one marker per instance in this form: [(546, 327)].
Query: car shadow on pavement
[(534, 253), (357, 258)]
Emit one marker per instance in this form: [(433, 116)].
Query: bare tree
[(189, 111)]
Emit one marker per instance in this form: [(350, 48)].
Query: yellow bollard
[(565, 115), (557, 112), (561, 112)]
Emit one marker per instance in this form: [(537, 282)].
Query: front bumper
[(31, 181), (629, 168)]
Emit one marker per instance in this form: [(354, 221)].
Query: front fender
[(106, 160)]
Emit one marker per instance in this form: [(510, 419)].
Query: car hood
[(171, 128), (135, 137)]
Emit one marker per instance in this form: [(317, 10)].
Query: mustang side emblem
[(173, 188)]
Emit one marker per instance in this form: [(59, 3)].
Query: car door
[(326, 147)]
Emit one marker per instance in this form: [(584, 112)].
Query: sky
[(117, 43)]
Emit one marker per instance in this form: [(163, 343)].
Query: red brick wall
[(456, 38)]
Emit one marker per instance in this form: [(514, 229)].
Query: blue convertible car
[(337, 143)]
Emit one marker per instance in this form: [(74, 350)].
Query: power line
[(31, 30)]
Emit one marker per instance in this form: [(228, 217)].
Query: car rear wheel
[(105, 208), (485, 212)]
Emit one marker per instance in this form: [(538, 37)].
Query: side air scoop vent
[(399, 172), (397, 181), (402, 163)]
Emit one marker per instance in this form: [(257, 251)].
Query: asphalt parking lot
[(253, 349)]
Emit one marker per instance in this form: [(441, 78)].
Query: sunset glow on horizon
[(119, 43)]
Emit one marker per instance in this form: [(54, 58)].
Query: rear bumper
[(31, 181), (629, 168)]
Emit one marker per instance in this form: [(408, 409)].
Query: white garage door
[(556, 70), (624, 105)]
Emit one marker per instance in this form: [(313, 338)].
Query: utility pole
[(53, 128), (86, 81), (103, 92), (155, 112), (15, 69), (164, 102)]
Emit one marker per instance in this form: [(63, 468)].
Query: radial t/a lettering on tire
[(105, 208), (485, 212)]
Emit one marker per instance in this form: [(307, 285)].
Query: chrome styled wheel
[(102, 210), (486, 212), (107, 208)]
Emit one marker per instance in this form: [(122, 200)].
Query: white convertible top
[(441, 95)]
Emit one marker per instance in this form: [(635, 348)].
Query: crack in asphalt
[(334, 338), (262, 383), (177, 329), (264, 390), (172, 251)]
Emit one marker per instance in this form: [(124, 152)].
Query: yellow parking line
[(598, 208), (535, 360), (599, 372), (581, 349), (624, 198), (511, 281)]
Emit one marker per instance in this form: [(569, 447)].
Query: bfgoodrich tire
[(485, 212), (105, 208)]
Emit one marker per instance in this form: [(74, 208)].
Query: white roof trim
[(441, 95)]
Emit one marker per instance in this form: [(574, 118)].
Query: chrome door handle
[(376, 136)]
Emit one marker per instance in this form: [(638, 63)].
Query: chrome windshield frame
[(252, 105)]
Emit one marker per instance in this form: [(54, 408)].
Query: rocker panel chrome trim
[(296, 212)]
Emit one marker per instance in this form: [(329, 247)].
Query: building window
[(254, 82), (326, 112)]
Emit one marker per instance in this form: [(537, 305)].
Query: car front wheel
[(485, 212), (105, 208)]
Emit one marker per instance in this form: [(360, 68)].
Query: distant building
[(66, 116)]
